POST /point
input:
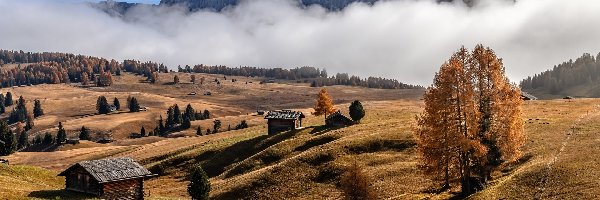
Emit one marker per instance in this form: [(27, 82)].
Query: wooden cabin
[(338, 119), (284, 120), (526, 96), (114, 178)]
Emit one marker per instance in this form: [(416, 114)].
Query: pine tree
[(8, 101), (199, 186), (23, 140), (190, 113), (177, 118), (186, 123), (37, 108), (160, 126), (102, 105), (199, 131), (170, 117), (84, 133), (134, 106), (143, 132), (324, 104), (357, 111), (2, 107), (19, 112), (29, 123), (48, 139), (61, 136), (216, 126), (206, 114), (117, 104), (472, 119), (9, 141)]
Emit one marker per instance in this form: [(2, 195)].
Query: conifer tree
[(199, 131), (102, 105), (2, 107), (23, 140), (357, 111), (186, 123), (177, 118), (61, 136), (190, 113), (143, 132), (117, 104), (134, 106), (8, 101), (199, 186), (84, 133), (9, 141), (85, 80), (160, 126), (324, 104), (206, 114), (216, 126), (29, 123), (19, 113), (471, 122), (48, 139), (170, 117), (37, 108)]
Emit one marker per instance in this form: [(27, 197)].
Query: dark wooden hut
[(284, 120), (338, 119), (115, 178)]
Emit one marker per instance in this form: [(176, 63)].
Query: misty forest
[(299, 99)]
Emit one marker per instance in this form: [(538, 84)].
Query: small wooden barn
[(338, 119), (526, 96), (284, 120), (114, 178)]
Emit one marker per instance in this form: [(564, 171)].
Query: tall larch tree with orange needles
[(471, 122), (324, 104)]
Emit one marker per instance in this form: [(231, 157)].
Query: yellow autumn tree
[(471, 122), (324, 104)]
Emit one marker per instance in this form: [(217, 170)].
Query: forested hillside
[(37, 68), (578, 78)]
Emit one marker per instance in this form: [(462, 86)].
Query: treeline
[(584, 70), (53, 68), (319, 77)]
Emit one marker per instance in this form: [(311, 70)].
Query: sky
[(406, 40)]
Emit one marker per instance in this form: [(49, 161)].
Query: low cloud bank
[(404, 39)]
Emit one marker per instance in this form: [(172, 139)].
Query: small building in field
[(113, 108), (114, 178), (284, 120), (338, 119), (73, 141), (526, 96)]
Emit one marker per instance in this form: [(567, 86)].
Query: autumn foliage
[(324, 104), (471, 122)]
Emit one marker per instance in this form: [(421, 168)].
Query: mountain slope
[(579, 78)]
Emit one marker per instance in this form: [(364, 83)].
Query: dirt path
[(571, 132)]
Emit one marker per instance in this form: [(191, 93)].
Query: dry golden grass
[(307, 164)]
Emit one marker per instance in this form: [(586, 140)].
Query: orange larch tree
[(324, 104), (471, 122)]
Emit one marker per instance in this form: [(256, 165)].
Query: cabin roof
[(529, 96), (112, 169), (337, 114), (284, 114)]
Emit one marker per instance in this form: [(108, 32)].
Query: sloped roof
[(112, 169), (337, 114), (529, 96), (284, 114)]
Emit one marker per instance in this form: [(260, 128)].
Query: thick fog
[(403, 39)]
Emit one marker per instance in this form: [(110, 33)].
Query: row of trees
[(103, 107), (371, 82), (324, 106), (472, 120), (584, 70)]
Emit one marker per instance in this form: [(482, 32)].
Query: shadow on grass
[(60, 194), (240, 151), (318, 130)]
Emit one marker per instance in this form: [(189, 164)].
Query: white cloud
[(404, 39)]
